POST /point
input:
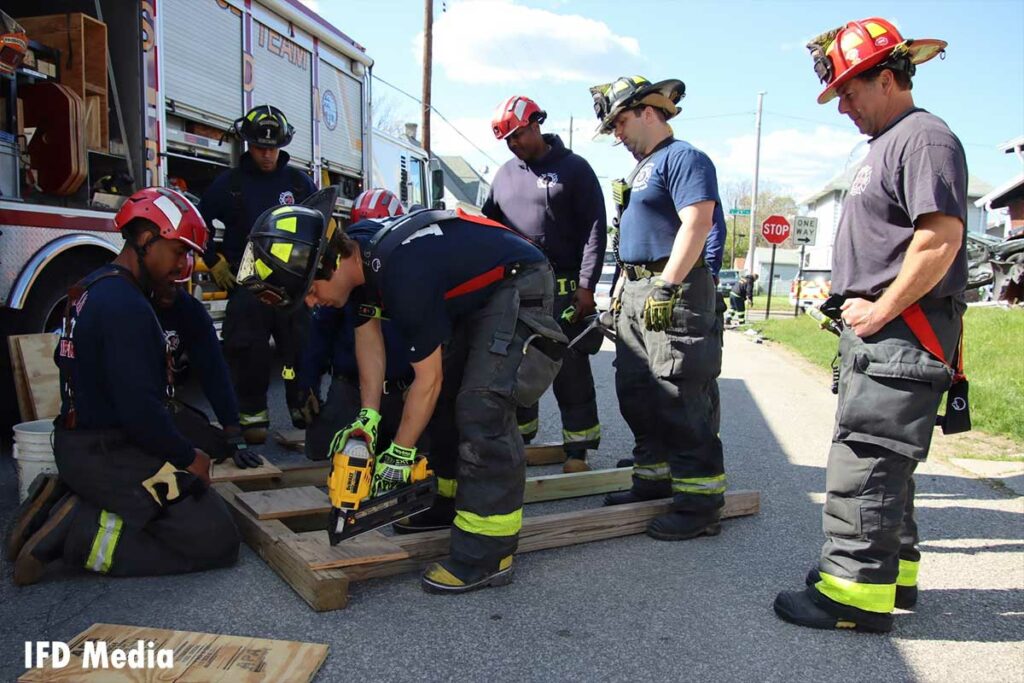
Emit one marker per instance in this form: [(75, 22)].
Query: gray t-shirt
[(914, 167)]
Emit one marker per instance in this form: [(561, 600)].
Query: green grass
[(993, 358), (780, 302)]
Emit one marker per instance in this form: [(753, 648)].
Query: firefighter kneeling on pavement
[(472, 300), (133, 496), (263, 179)]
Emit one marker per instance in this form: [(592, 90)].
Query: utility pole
[(570, 132), (428, 56), (752, 244)]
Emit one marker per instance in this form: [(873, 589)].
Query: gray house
[(464, 187)]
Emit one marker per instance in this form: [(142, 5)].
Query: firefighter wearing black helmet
[(668, 348), (262, 179)]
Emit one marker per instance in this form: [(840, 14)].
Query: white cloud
[(798, 161), (498, 41), (312, 4)]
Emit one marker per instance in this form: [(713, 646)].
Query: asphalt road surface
[(625, 609)]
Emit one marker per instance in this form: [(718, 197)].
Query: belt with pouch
[(640, 271)]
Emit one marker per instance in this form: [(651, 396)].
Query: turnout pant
[(248, 326), (668, 394), (340, 408), (737, 309), (889, 394), (574, 385), (139, 516), (476, 451)]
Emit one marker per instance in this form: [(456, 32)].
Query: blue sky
[(726, 52)]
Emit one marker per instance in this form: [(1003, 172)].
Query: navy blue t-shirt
[(676, 176), (187, 323), (417, 280), (119, 369), (332, 345)]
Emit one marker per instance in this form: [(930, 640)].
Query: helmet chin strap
[(146, 282)]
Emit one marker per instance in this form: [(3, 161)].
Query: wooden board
[(197, 657), (229, 471), (25, 409), (559, 486), (536, 454), (369, 548), (284, 503), (41, 377)]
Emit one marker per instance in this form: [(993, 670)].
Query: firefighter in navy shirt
[(138, 501), (669, 350), (237, 197), (551, 196), (472, 300)]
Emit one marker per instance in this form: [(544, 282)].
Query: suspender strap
[(917, 321), (476, 283)]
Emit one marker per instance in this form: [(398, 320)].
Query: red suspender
[(918, 323)]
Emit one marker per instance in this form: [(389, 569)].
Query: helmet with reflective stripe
[(851, 50), (264, 126), (515, 113), (376, 203), (170, 211), (282, 254), (611, 99)]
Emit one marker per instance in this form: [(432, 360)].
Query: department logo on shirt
[(546, 180), (861, 180), (643, 176), (286, 197), (172, 340)]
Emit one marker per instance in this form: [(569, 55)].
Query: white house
[(787, 264), (826, 203)]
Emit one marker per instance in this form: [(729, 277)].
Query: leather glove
[(392, 469), (222, 275), (303, 415), (365, 427), (659, 305), (242, 456)]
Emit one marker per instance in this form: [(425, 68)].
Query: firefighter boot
[(906, 596), (576, 461), (440, 515), (47, 544), (680, 525), (451, 576), (812, 609), (43, 493), (635, 495)]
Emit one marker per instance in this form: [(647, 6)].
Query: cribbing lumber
[(553, 531)]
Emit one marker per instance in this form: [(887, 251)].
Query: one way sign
[(805, 230)]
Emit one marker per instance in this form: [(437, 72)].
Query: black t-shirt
[(418, 281)]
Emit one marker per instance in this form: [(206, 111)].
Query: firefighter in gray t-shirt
[(900, 265)]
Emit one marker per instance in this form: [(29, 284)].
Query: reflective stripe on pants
[(101, 555)]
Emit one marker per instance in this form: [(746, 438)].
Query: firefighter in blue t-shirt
[(237, 197), (669, 351)]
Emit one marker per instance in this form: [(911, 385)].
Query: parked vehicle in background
[(727, 279), (814, 285)]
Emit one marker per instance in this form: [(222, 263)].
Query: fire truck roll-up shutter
[(202, 59), (341, 118), (283, 77)]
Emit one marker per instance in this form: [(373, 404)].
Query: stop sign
[(775, 229)]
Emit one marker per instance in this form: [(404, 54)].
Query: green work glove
[(222, 275), (659, 305), (393, 468), (364, 427)]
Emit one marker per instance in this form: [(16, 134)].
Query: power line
[(441, 116)]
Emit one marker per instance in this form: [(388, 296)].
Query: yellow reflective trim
[(908, 573), (849, 41), (101, 555), (592, 434), (490, 525), (262, 269), (252, 418), (287, 372), (286, 224), (529, 427), (252, 115), (282, 250), (446, 488), (874, 30), (870, 597), (703, 485), (279, 210)]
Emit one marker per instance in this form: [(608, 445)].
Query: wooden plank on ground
[(292, 439), (552, 531), (196, 657), (369, 548), (41, 374), (229, 471), (559, 486), (284, 503), (20, 380), (322, 589)]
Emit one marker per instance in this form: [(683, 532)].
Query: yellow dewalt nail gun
[(353, 510)]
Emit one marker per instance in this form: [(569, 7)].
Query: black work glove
[(240, 453)]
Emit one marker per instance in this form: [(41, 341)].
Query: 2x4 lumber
[(554, 531), (229, 471), (322, 589)]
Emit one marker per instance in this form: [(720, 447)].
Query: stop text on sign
[(775, 229)]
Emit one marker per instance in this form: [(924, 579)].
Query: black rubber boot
[(440, 515), (680, 526), (631, 496), (43, 493), (812, 609), (47, 544), (451, 577), (625, 462), (906, 596)]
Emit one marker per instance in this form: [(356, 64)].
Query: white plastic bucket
[(33, 453)]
